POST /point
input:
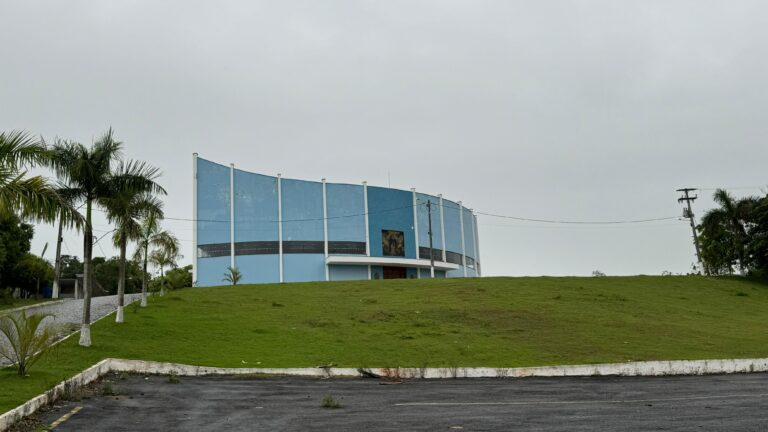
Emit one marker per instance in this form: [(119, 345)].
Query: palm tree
[(89, 173), (232, 276), (152, 234), (163, 258), (125, 210), (65, 219), (733, 212), (30, 197)]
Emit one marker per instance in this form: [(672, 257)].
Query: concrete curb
[(646, 368), (643, 368), (83, 378), (32, 306)]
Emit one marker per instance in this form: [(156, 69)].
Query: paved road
[(705, 403), (68, 315)]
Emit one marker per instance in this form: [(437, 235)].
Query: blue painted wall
[(259, 268), (423, 218), (302, 210), (452, 226), (212, 202), (341, 273), (346, 208), (213, 218), (390, 209), (210, 271), (255, 207), (303, 267), (469, 234)]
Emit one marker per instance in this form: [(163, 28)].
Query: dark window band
[(303, 246), (257, 248), (453, 257), (213, 250), (314, 247), (424, 253), (346, 248)]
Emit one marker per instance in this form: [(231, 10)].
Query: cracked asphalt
[(689, 403)]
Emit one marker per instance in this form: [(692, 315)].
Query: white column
[(477, 247), (325, 231), (463, 246), (280, 223), (367, 233), (472, 231), (194, 219), (416, 229), (232, 215), (442, 226)]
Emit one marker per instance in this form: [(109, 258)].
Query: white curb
[(32, 306), (643, 368), (83, 378)]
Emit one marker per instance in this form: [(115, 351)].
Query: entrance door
[(394, 273)]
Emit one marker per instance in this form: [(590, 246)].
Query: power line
[(518, 218), (290, 220), (553, 221)]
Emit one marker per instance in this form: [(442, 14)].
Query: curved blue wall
[(260, 201)]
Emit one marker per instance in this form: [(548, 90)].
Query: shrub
[(27, 341), (6, 296)]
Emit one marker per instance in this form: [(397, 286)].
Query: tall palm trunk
[(85, 329), (57, 264), (144, 278), (162, 282), (121, 280)]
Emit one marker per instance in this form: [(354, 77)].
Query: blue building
[(275, 229)]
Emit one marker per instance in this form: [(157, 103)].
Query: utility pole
[(688, 214), (429, 231)]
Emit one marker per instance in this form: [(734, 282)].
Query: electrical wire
[(495, 215), (552, 221)]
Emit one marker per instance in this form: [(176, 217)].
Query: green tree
[(152, 234), (758, 242), (180, 277), (730, 234), (15, 238), (71, 266), (125, 210), (107, 274), (162, 258), (32, 272), (91, 176)]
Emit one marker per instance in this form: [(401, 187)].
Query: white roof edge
[(387, 261)]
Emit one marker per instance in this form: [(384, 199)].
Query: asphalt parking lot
[(711, 403)]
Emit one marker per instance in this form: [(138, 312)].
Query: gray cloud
[(586, 110)]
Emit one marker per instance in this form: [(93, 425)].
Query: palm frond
[(18, 148)]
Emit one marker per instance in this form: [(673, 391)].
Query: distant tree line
[(734, 236)]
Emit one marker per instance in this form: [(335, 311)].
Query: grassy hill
[(471, 322)]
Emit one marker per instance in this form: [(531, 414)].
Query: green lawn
[(473, 322)]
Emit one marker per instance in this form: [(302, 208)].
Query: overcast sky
[(571, 110)]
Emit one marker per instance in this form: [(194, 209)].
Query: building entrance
[(394, 273)]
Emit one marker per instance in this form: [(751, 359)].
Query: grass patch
[(454, 323), (329, 402)]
